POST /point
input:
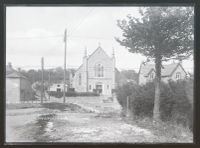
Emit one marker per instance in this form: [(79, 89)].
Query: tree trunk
[(156, 111)]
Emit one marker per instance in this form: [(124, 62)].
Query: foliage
[(71, 94), (167, 29), (123, 91), (127, 76), (174, 103), (56, 75), (162, 33)]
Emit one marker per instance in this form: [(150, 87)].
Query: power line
[(35, 37), (80, 22), (61, 36)]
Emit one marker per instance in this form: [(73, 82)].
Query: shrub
[(122, 92), (71, 94), (143, 100), (174, 103)]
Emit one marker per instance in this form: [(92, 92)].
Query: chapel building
[(96, 73)]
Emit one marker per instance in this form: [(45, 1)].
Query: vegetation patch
[(175, 106)]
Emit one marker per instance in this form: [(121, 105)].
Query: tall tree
[(160, 34)]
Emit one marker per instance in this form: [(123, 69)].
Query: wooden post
[(127, 106), (42, 94), (49, 83)]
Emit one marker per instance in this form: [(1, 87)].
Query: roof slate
[(11, 73), (166, 70)]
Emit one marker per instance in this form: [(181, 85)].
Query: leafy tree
[(160, 34), (127, 76), (56, 75)]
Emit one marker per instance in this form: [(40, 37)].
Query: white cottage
[(173, 71), (96, 74), (57, 87)]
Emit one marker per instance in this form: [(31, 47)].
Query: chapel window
[(99, 70), (79, 79)]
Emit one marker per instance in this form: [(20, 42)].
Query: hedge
[(174, 102), (71, 94)]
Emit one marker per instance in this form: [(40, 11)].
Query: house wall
[(179, 69), (142, 79), (82, 87), (12, 90), (26, 92), (165, 79)]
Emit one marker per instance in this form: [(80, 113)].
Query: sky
[(35, 32)]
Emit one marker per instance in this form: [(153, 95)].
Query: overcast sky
[(33, 32)]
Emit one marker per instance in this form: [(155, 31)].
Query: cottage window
[(79, 79), (99, 70), (178, 76), (151, 76)]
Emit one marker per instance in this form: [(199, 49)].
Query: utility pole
[(42, 94), (65, 40), (49, 82), (127, 106)]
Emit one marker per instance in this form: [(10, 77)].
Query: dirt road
[(79, 120)]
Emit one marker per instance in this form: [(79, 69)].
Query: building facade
[(18, 87), (96, 74), (173, 71)]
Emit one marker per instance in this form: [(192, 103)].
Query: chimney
[(113, 53), (180, 61), (9, 64), (19, 69)]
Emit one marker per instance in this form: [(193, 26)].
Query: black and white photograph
[(99, 74)]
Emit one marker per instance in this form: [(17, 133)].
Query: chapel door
[(99, 88)]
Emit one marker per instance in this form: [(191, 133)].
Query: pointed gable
[(168, 69), (98, 51), (146, 68), (11, 73)]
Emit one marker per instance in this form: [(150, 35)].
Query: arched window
[(79, 79), (99, 70), (151, 76), (178, 76)]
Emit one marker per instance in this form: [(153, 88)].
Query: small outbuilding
[(57, 87), (18, 87)]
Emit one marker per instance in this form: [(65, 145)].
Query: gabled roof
[(11, 73), (150, 71), (167, 70), (99, 48)]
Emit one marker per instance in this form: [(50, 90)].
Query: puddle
[(49, 127), (44, 125)]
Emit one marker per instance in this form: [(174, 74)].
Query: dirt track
[(79, 120)]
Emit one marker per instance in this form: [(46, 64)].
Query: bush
[(71, 94), (174, 103), (122, 92)]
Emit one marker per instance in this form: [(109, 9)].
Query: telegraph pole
[(42, 94), (65, 40), (49, 82)]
